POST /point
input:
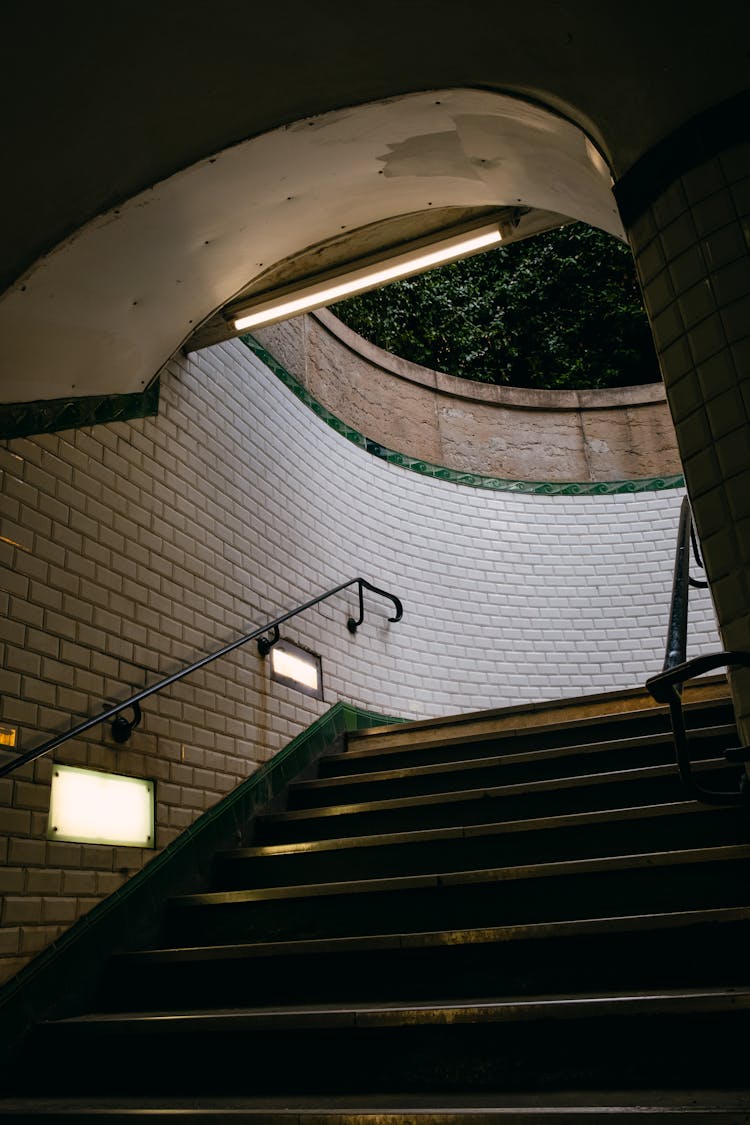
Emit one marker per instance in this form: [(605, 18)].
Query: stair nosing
[(482, 935), (499, 760), (444, 722), (511, 873), (387, 1108), (470, 831), (399, 1013), (608, 777)]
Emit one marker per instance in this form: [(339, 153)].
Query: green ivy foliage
[(561, 310)]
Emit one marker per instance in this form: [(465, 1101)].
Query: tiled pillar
[(691, 240)]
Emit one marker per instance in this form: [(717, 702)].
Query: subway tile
[(736, 319), (642, 232), (706, 180), (650, 262), (686, 270), (736, 161), (677, 237), (697, 303), (733, 451), (741, 198), (717, 374), (725, 413), (18, 909), (667, 327), (685, 397), (658, 294), (706, 339), (724, 246), (713, 213), (670, 205)]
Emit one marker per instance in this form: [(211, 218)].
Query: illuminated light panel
[(90, 807), (369, 277), (292, 665), (8, 736)]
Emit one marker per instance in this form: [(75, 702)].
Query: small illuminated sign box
[(8, 736), (90, 807), (297, 668)]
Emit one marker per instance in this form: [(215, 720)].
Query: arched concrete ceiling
[(101, 104), (103, 311)]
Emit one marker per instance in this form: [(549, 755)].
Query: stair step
[(395, 1014), (371, 764), (668, 1037), (647, 785), (446, 776), (398, 1109), (515, 914), (577, 835), (475, 735), (649, 950), (640, 883)]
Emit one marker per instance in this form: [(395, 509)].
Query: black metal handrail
[(666, 687), (122, 727)]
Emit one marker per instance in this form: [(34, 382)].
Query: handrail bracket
[(122, 728), (353, 625), (265, 644)]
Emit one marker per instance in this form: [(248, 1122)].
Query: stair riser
[(350, 789), (703, 955), (631, 891), (469, 853), (485, 810), (633, 1052)]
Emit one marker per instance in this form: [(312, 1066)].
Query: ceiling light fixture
[(333, 286)]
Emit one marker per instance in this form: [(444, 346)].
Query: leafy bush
[(561, 310)]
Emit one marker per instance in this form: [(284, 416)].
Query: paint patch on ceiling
[(432, 154)]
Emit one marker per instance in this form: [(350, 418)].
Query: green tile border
[(67, 970), (22, 419), (453, 476)]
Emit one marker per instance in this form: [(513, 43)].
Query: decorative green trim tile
[(21, 419), (70, 966), (454, 476)]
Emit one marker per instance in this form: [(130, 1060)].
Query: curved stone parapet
[(507, 432)]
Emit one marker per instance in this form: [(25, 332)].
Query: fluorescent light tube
[(326, 291)]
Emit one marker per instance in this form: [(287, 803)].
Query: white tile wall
[(141, 545), (692, 255)]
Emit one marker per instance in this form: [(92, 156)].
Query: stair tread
[(489, 761), (469, 831), (478, 727), (387, 1108), (535, 931), (611, 777), (399, 1013), (533, 712), (456, 878)]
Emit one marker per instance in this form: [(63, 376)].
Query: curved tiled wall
[(130, 548), (507, 598)]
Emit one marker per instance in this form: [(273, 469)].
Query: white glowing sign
[(87, 806)]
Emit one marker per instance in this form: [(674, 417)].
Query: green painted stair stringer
[(66, 972)]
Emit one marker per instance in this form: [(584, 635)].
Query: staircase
[(511, 914)]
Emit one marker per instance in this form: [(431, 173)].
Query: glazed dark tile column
[(689, 228)]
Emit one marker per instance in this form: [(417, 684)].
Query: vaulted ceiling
[(159, 157)]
